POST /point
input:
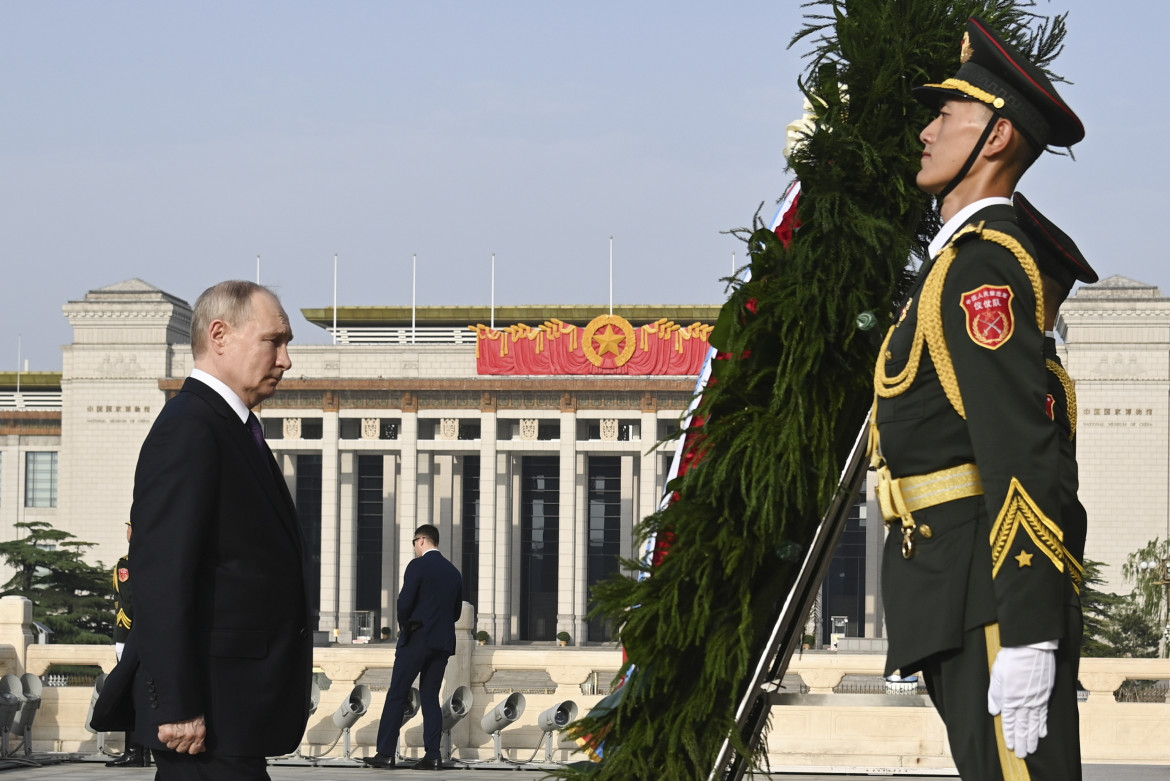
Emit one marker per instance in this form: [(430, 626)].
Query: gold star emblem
[(1025, 559), (608, 341), (609, 332)]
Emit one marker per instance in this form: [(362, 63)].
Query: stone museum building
[(525, 434), (529, 445)]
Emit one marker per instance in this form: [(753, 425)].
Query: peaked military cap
[(1000, 77), (1056, 254)]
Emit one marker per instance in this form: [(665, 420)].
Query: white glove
[(1021, 682)]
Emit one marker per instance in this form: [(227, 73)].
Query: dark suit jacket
[(430, 601), (221, 610)]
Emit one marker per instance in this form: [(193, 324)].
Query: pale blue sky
[(175, 141)]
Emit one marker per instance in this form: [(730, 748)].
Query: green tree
[(71, 597), (1147, 570), (1131, 633), (1101, 610)]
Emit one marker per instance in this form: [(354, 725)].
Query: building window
[(40, 479), (843, 591), (369, 535), (469, 520), (308, 501), (605, 530), (539, 521)]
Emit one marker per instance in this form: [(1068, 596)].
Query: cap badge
[(966, 52)]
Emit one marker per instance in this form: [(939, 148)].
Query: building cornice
[(463, 316)]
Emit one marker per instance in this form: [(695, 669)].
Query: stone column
[(507, 495), (649, 492), (627, 511), (346, 546), (330, 529), (408, 501), (570, 579), (581, 551), (488, 492)]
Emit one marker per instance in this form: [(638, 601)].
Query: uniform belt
[(901, 497), (917, 492)]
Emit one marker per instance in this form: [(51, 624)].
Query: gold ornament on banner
[(609, 331)]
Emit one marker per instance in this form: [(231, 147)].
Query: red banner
[(608, 345)]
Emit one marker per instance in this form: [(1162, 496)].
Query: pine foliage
[(786, 405), (72, 598)]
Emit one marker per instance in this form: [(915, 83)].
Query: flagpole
[(257, 269), (335, 298), (413, 290), (493, 320), (733, 264), (18, 345), (611, 275)]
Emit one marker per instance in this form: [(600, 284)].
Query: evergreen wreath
[(795, 382)]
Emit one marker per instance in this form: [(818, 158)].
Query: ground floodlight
[(31, 686), (457, 706), (557, 717), (11, 701), (314, 697), (354, 707), (98, 683), (503, 714), (413, 705)]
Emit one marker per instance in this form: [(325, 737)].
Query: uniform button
[(927, 532)]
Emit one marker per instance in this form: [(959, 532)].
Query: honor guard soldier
[(135, 754), (975, 575), (1061, 265)]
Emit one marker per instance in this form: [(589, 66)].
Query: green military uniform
[(1061, 264), (976, 558)]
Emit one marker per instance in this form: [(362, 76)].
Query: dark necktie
[(257, 432)]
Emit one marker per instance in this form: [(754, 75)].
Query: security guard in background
[(975, 575), (135, 754)]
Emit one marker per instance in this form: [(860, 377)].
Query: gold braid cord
[(929, 330), (1020, 512), (1070, 394)]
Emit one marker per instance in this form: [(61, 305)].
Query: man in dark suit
[(428, 607), (976, 570), (219, 662)]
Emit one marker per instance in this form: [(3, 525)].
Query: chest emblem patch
[(1050, 407), (989, 315), (123, 574)]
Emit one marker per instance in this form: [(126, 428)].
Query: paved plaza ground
[(94, 771)]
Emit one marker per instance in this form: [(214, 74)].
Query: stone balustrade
[(820, 730)]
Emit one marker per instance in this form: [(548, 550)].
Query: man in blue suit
[(428, 607)]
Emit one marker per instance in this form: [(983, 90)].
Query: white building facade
[(534, 482)]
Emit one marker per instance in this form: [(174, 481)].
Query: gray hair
[(230, 301)]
